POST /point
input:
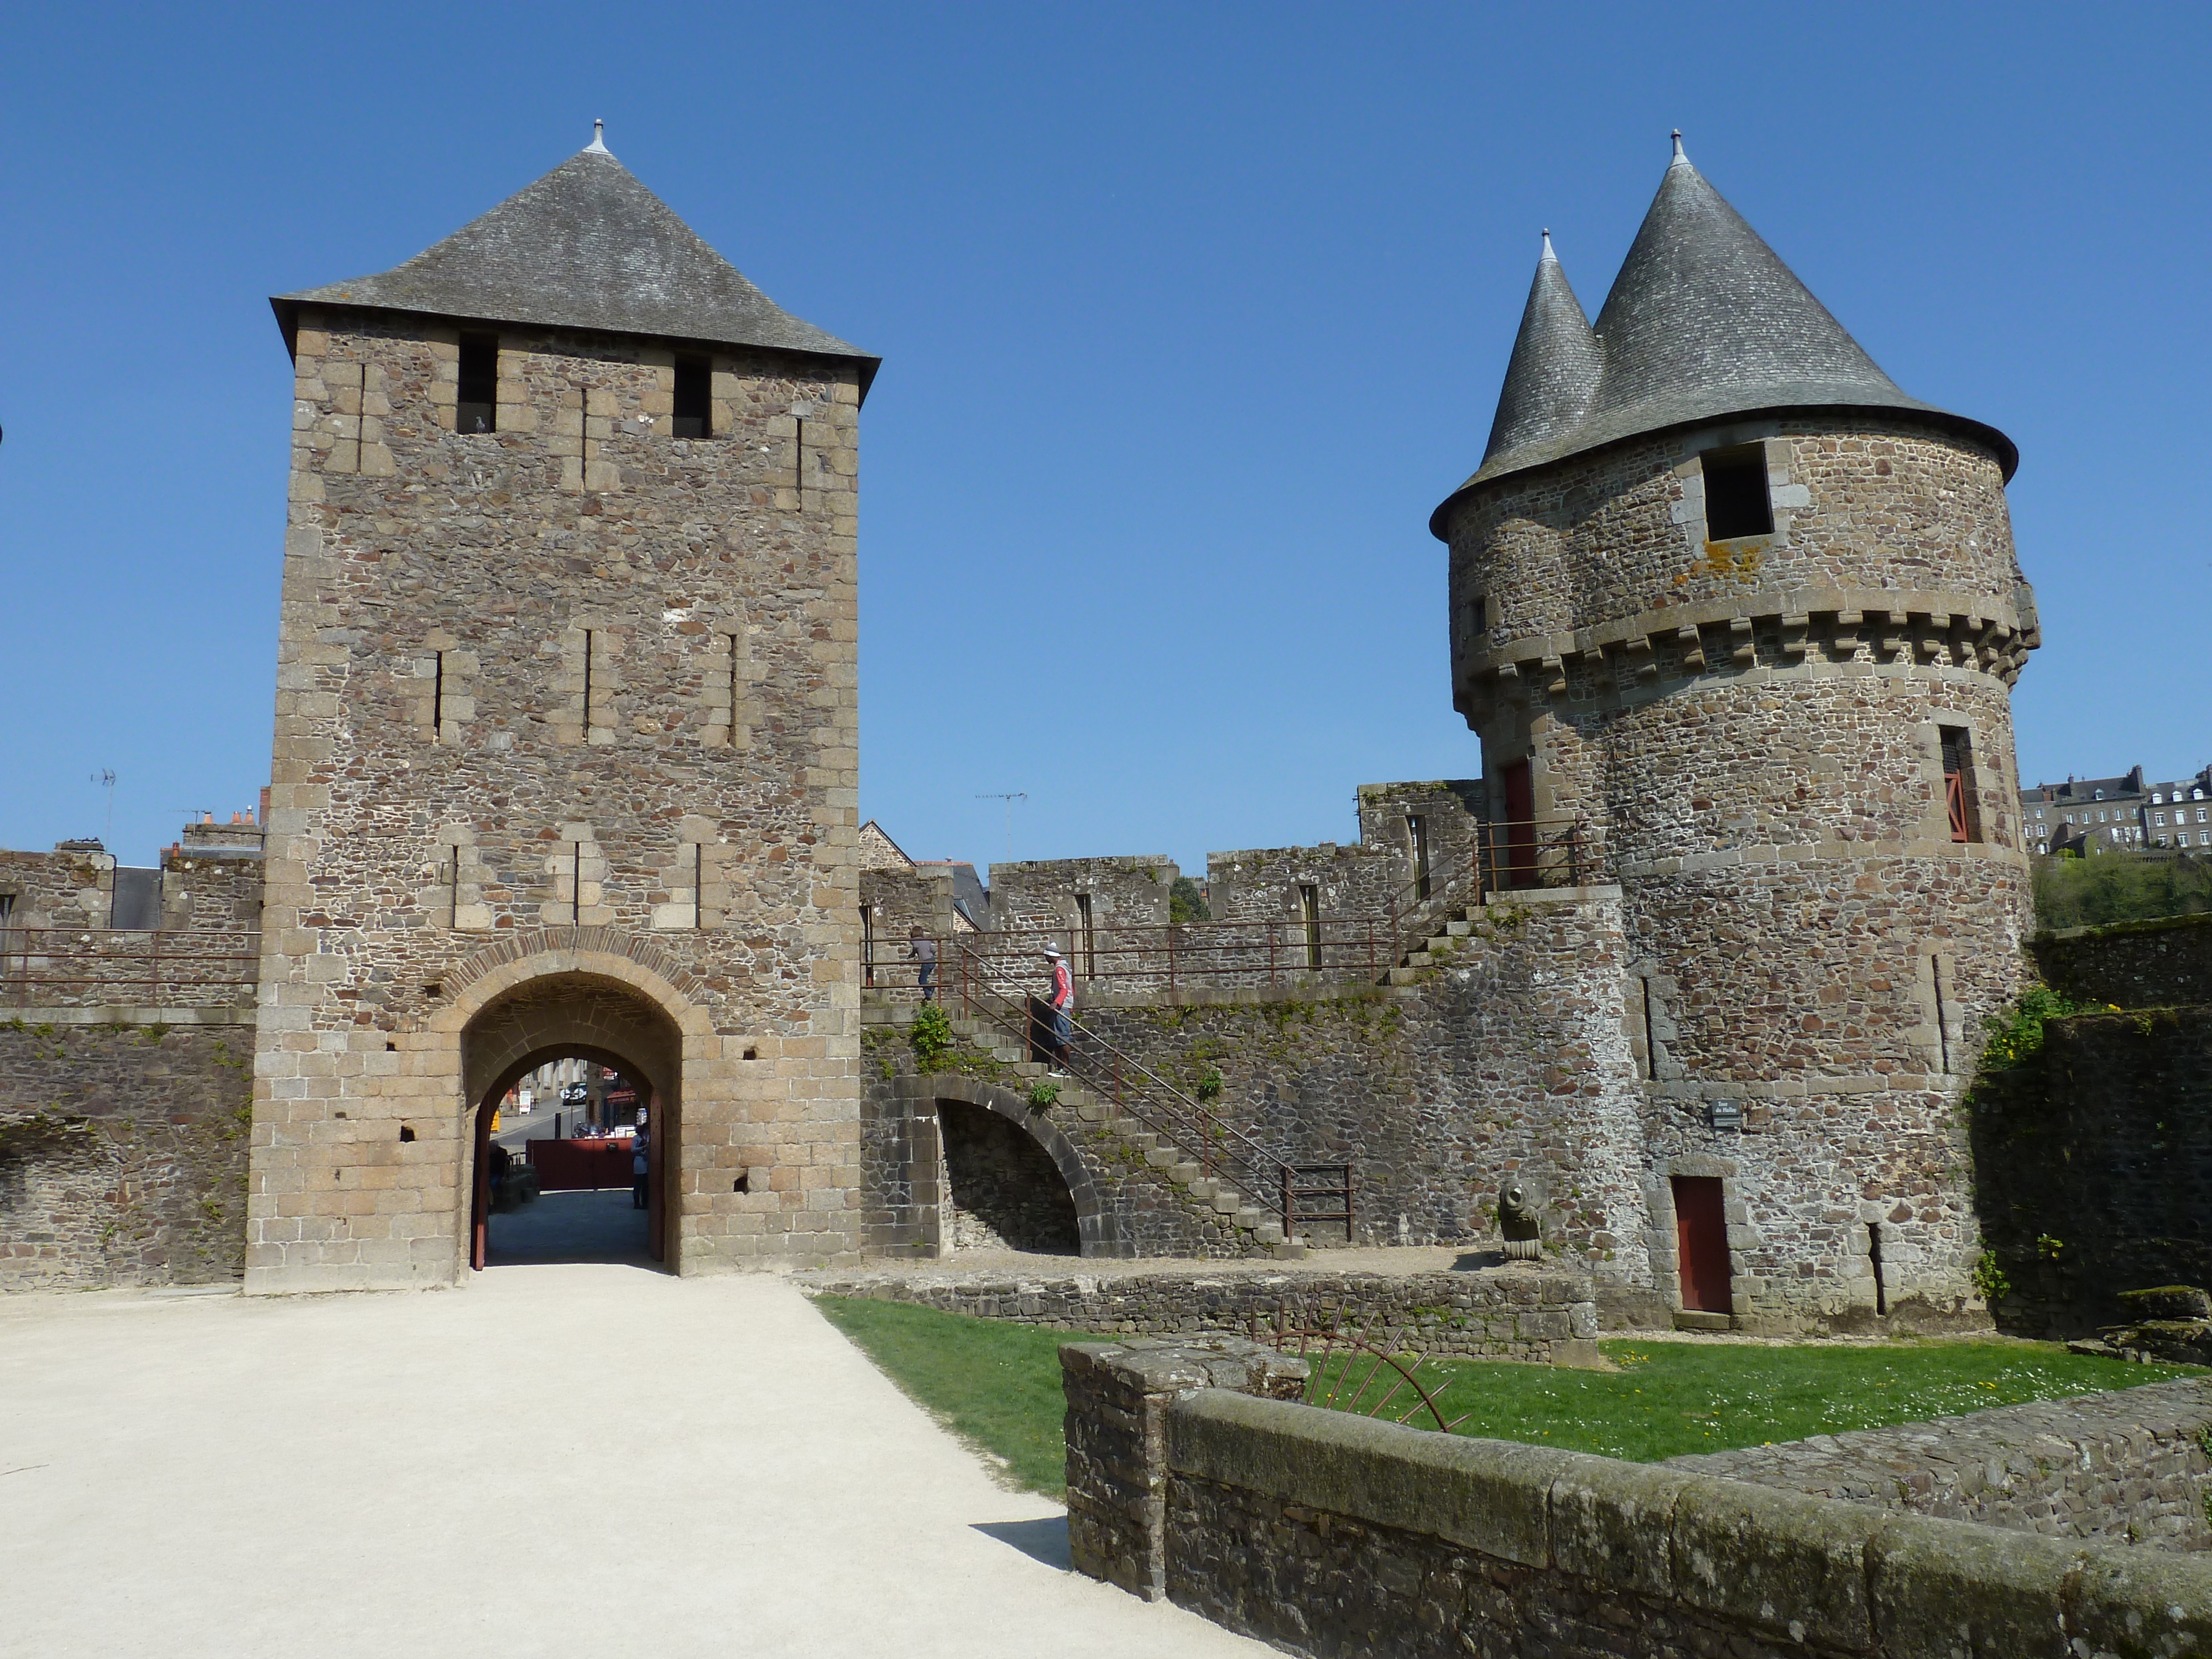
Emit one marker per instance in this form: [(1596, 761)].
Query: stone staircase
[(1455, 920), (1257, 1228)]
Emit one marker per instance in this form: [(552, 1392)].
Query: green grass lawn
[(990, 1381), (1670, 1398), (998, 1385)]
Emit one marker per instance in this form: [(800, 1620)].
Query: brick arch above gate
[(643, 964), (1097, 1223)]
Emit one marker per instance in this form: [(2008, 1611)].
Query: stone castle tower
[(1725, 595), (565, 741)]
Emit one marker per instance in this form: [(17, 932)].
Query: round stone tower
[(1727, 598)]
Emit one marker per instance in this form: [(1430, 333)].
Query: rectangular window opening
[(698, 885), (1417, 832), (1650, 1031), (438, 697), (695, 416), (1959, 792), (1480, 610), (1089, 941), (1737, 502), (868, 945), (1310, 915), (476, 406)]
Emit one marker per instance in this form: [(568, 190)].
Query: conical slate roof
[(1556, 365), (1704, 322), (587, 247)]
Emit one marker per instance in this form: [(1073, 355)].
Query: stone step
[(1289, 1252), (1458, 929)]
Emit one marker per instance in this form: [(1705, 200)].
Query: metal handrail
[(75, 964), (1137, 1088)]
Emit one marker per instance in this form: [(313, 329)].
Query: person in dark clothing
[(641, 1172), (924, 953)]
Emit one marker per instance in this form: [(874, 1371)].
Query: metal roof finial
[(1681, 160), (1547, 252), (599, 144)]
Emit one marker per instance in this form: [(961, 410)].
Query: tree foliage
[(2077, 892)]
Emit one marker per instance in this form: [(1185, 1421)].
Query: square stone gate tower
[(565, 741)]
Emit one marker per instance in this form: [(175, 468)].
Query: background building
[(2119, 814)]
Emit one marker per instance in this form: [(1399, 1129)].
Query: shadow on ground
[(567, 1227), (1042, 1539)]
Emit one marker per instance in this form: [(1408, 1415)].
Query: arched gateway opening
[(579, 1016)]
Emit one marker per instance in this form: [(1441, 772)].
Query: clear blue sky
[(1189, 316)]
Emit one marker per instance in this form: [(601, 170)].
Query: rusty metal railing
[(100, 967)]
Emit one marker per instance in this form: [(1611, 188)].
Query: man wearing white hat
[(1061, 999)]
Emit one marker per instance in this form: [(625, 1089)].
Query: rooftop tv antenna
[(1010, 800)]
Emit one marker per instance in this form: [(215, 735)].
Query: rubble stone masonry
[(1754, 730), (565, 713)]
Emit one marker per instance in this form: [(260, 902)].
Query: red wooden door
[(1519, 825), (480, 1192), (1701, 1241)]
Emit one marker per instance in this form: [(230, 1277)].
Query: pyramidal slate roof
[(1704, 322), (587, 247)]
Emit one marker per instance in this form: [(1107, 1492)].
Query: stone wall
[(2125, 1467), (1452, 811), (895, 901), (2132, 965), (2091, 1167), (72, 886), (1130, 892), (1327, 1534), (123, 1153), (1546, 1317), (1511, 1060)]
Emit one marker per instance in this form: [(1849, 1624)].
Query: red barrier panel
[(577, 1165)]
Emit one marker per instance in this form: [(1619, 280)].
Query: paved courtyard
[(575, 1459)]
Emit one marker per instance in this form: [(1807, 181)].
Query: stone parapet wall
[(2163, 964), (2127, 1468), (1523, 1313), (1327, 1534), (1867, 515), (123, 1154), (2092, 1176)]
